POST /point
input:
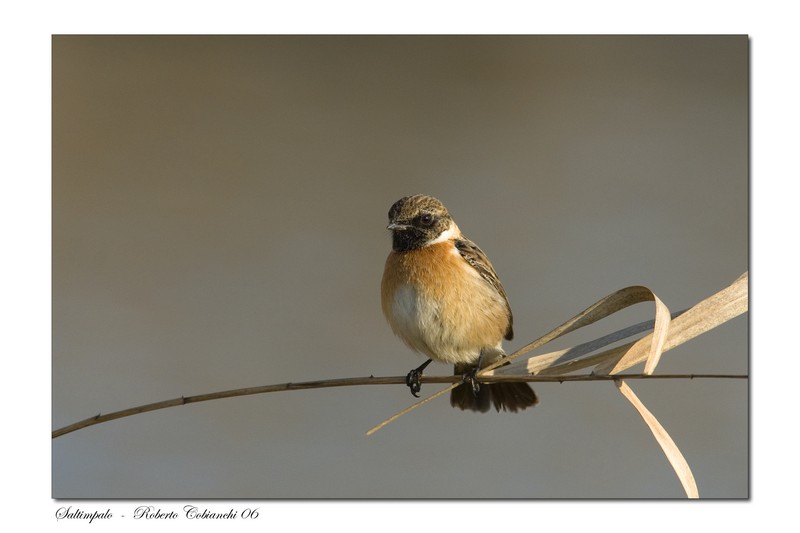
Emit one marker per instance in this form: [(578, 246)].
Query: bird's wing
[(473, 255)]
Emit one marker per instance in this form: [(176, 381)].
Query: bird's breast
[(440, 306)]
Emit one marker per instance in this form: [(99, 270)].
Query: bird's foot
[(472, 379), (413, 378), (413, 382)]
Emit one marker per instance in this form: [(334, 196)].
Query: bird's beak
[(399, 227)]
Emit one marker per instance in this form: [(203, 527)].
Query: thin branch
[(358, 381)]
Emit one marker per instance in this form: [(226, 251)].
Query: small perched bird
[(442, 297)]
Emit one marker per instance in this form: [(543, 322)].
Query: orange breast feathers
[(440, 306)]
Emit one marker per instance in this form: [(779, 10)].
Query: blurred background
[(219, 213)]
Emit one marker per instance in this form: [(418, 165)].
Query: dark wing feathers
[(478, 260)]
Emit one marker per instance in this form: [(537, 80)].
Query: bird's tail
[(509, 396)]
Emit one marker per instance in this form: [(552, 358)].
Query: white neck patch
[(446, 235)]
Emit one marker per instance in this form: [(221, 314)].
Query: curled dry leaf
[(684, 326), (668, 331)]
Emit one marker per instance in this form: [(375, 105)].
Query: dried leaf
[(685, 325), (708, 314), (669, 447)]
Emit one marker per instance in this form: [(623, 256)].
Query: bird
[(441, 295)]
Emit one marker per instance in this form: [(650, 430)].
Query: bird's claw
[(413, 382), (471, 379)]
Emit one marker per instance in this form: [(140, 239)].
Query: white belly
[(419, 323)]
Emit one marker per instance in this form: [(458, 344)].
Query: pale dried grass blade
[(659, 335), (564, 361), (652, 345), (410, 408), (708, 314), (607, 306), (669, 447)]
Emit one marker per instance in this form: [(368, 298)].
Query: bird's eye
[(426, 219)]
